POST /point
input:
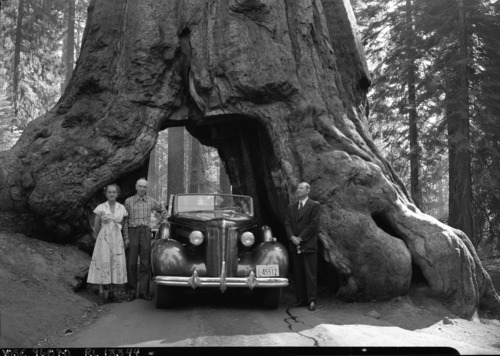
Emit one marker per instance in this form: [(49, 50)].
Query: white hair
[(306, 184)]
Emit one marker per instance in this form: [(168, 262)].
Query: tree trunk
[(153, 174), (70, 42), (195, 173), (280, 90), (441, 211), (224, 183), (17, 56), (459, 142), (415, 188), (175, 160), (78, 36)]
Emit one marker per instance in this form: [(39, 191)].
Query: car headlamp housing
[(163, 231), (247, 238), (196, 238), (267, 233)]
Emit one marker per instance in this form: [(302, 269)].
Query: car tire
[(152, 288), (164, 296), (152, 284), (271, 297)]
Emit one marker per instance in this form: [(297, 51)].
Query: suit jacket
[(303, 224)]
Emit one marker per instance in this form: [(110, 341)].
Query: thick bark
[(459, 142), (175, 183), (415, 189), (70, 42), (224, 183), (280, 91), (17, 57), (195, 173), (153, 173)]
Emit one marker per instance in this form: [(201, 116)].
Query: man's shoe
[(145, 296), (299, 304), (131, 297), (312, 306)]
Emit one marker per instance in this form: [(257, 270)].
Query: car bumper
[(222, 282)]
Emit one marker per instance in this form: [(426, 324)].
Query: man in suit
[(301, 226)]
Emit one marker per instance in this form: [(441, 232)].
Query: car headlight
[(267, 233), (196, 238), (247, 238)]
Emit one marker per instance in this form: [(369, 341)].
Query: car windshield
[(211, 202)]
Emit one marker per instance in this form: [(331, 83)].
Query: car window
[(211, 202), (239, 204), (195, 203)]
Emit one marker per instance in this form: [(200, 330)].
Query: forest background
[(434, 101)]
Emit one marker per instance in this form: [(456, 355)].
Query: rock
[(373, 314), (86, 243), (80, 280), (447, 321)]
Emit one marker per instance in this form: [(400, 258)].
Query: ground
[(39, 305)]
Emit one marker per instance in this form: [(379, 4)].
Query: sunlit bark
[(459, 141)]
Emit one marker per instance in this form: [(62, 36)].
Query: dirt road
[(210, 319)]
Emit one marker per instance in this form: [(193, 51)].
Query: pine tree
[(30, 37), (456, 58)]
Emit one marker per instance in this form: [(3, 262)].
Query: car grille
[(222, 245)]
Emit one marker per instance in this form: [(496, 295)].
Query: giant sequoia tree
[(279, 88)]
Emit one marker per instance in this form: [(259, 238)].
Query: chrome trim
[(194, 280), (236, 282), (223, 285), (231, 251), (223, 240), (252, 281), (214, 257)]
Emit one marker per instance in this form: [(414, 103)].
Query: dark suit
[(304, 224)]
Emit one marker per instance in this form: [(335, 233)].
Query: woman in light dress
[(108, 266)]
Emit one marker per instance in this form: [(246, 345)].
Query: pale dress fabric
[(108, 263)]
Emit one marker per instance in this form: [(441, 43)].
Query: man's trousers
[(139, 246), (305, 271)]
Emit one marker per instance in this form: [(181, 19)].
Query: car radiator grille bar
[(222, 245), (214, 249), (232, 252)]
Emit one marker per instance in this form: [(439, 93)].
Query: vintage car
[(212, 240)]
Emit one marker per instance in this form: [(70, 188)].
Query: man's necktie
[(300, 205)]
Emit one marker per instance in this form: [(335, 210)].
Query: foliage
[(386, 37), (42, 35)]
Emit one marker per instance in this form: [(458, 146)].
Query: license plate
[(267, 270)]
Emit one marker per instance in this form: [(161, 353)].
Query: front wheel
[(271, 297), (164, 296)]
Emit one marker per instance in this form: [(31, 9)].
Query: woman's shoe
[(102, 299)]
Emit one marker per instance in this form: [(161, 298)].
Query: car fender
[(170, 257), (265, 253)]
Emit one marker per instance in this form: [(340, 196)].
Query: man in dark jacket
[(301, 226)]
